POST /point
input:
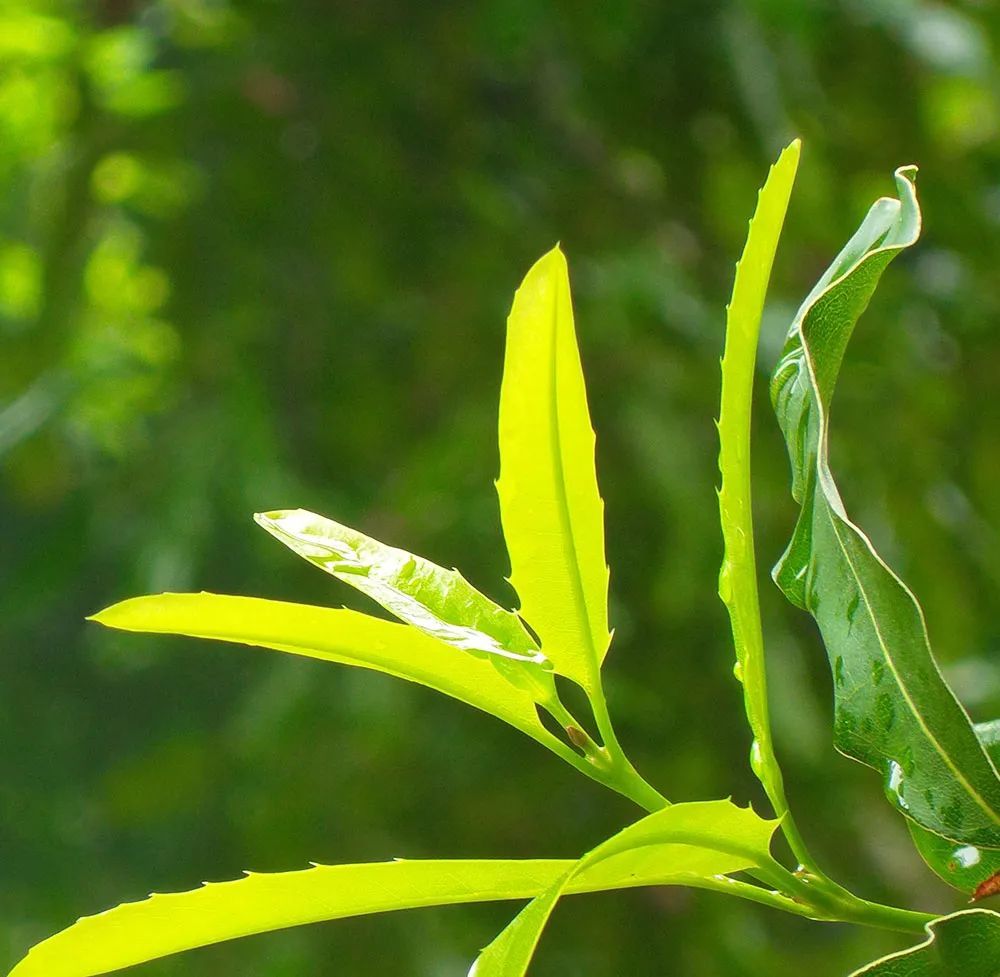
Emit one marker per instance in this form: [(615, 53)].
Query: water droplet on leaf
[(895, 785), (967, 856)]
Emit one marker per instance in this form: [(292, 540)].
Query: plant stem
[(623, 777), (754, 893), (836, 904), (632, 785), (806, 894), (886, 917)]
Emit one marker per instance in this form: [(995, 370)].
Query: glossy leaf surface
[(965, 944), (440, 602), (964, 866), (722, 837), (550, 506), (337, 635), (170, 923), (893, 709), (738, 577)]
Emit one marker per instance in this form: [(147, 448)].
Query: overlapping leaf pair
[(894, 710), (459, 642)]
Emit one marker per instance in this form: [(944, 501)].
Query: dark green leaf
[(894, 710), (966, 867), (966, 944)]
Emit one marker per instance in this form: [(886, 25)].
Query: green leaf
[(965, 944), (738, 577), (342, 636), (441, 603), (552, 513), (966, 867), (170, 923), (720, 838), (894, 711)]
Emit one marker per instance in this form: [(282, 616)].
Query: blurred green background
[(259, 255)]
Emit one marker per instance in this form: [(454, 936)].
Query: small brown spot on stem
[(578, 737)]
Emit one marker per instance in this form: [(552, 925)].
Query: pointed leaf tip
[(738, 576), (894, 711), (439, 602), (550, 505), (341, 636)]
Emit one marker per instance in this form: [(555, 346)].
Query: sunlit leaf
[(722, 837), (894, 710), (965, 944), (441, 603), (170, 923), (552, 513), (738, 577), (337, 635)]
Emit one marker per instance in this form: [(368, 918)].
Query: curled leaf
[(893, 709)]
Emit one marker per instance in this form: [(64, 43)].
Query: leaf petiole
[(826, 900)]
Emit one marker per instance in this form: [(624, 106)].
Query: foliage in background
[(328, 197), (894, 709)]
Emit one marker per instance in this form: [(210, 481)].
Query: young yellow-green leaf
[(441, 603), (894, 710), (169, 923), (965, 944), (738, 577), (342, 636), (552, 513), (720, 838), (164, 924)]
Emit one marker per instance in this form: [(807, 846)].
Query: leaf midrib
[(939, 748), (821, 485), (562, 508)]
